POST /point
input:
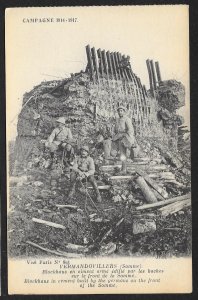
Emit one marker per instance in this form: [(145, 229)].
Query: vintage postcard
[(98, 150)]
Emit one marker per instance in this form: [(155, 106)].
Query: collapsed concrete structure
[(146, 212), (91, 97)]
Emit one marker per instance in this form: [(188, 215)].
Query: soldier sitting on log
[(59, 137), (83, 170)]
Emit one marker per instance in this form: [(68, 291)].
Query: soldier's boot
[(96, 190)]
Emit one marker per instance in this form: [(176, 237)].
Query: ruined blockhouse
[(91, 97)]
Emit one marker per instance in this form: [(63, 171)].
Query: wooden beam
[(164, 202), (48, 223), (59, 253), (152, 183), (174, 207)]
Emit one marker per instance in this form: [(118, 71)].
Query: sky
[(47, 51)]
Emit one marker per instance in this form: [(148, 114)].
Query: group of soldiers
[(82, 167)]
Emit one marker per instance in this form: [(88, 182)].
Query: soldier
[(124, 135), (83, 169), (59, 136)]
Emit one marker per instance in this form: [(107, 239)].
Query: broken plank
[(121, 177), (74, 247), (110, 230), (164, 202), (152, 183), (48, 223), (65, 254), (174, 207), (101, 187), (66, 206)]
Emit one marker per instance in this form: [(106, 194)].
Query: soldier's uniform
[(59, 136), (124, 135), (86, 166)]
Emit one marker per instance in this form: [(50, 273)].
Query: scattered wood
[(172, 159), (158, 167), (59, 253), (157, 195), (48, 223), (76, 248), (153, 184), (69, 255), (164, 202), (67, 206), (120, 177), (101, 187), (110, 231), (174, 207), (146, 191), (177, 183)]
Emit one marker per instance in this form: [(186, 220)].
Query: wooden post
[(157, 68), (153, 74), (95, 63), (150, 76), (90, 62)]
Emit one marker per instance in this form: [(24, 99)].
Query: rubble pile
[(145, 212)]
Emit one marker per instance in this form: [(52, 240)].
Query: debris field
[(146, 212)]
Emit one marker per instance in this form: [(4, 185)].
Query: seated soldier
[(59, 136), (83, 169)]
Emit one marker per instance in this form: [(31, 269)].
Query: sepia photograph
[(98, 149)]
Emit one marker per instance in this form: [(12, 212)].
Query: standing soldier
[(83, 169), (124, 135)]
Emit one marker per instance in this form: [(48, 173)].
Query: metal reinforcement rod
[(153, 74), (139, 100), (90, 62), (101, 66), (110, 64), (150, 75), (119, 61), (157, 68), (143, 98), (145, 91), (95, 63), (114, 65), (117, 65), (135, 95), (105, 64)]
